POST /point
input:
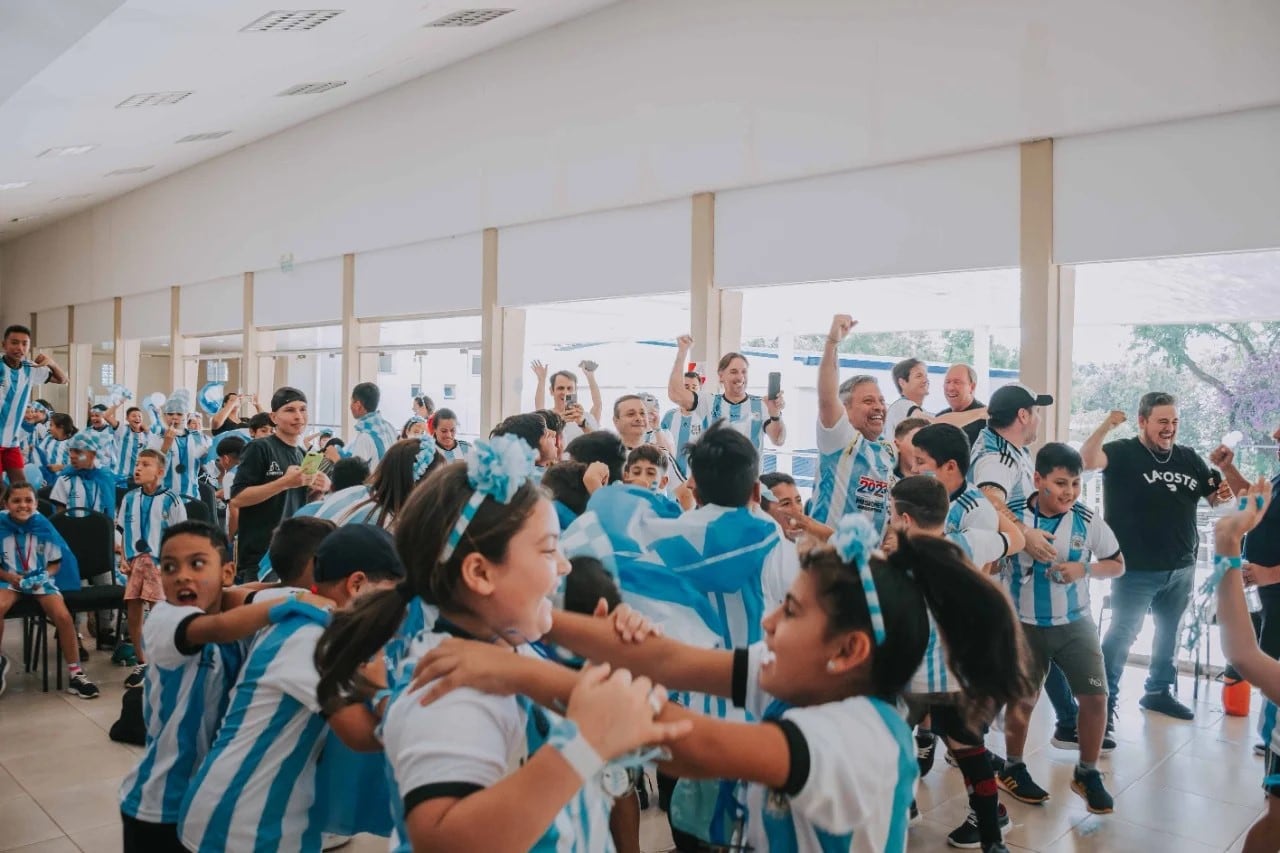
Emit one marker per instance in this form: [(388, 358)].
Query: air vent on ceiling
[(291, 20), (469, 17), (131, 170), (15, 185), (312, 88), (153, 99), (204, 137), (68, 151)]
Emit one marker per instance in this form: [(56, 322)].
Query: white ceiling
[(65, 67)]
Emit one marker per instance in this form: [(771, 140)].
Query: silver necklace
[(1158, 460)]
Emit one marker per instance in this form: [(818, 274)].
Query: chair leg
[(44, 651)]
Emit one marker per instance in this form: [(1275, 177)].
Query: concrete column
[(491, 342), (350, 337), (79, 366)]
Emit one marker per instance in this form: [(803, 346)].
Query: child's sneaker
[(81, 686), (135, 678), (124, 655), (106, 639)]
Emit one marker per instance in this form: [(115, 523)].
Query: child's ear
[(228, 573), (476, 574), (663, 484)]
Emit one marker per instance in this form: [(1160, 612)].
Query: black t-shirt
[(974, 428), (1151, 505), (229, 425), (1262, 545), (264, 460)]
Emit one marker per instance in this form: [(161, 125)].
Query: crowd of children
[(787, 667)]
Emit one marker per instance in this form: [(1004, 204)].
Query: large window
[(947, 318), (1205, 329), (310, 359), (632, 339), (432, 356)]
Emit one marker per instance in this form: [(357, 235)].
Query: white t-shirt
[(852, 778), (572, 431), (899, 410)]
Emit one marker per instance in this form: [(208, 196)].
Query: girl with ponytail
[(831, 765), (480, 543)]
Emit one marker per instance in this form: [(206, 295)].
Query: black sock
[(980, 779)]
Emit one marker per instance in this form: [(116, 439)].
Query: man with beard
[(1150, 490)]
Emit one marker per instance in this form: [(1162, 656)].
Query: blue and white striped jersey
[(1078, 535), (256, 788), (851, 790), (746, 417), (854, 475), (107, 455), (15, 393), (374, 436), (684, 430), (1268, 731), (76, 492), (182, 466), (143, 518), (352, 505), (458, 453), (31, 558), (52, 451), (995, 462), (467, 741), (128, 445), (185, 695)]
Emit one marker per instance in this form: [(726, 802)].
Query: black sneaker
[(1164, 703), (1017, 783), (81, 686), (995, 847), (4, 673), (997, 762), (1089, 785), (135, 678), (1065, 738), (966, 837), (106, 639), (926, 747), (915, 812), (1109, 741), (1258, 748)]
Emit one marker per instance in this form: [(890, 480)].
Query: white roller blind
[(310, 295), (1188, 187), (212, 306), (626, 252), (95, 322), (53, 328), (952, 213), (147, 315), (435, 277)]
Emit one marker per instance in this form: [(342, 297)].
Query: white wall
[(655, 100)]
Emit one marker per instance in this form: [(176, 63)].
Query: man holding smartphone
[(563, 386)]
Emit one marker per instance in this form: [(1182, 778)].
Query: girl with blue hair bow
[(832, 766), (480, 543)]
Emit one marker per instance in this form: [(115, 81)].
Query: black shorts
[(947, 721), (143, 837)]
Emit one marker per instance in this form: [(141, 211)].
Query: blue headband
[(426, 454), (854, 540), (496, 469)]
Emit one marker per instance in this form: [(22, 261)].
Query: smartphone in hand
[(775, 385)]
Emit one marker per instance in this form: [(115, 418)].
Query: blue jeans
[(1166, 595), (1059, 693)]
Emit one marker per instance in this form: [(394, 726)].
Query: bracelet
[(1223, 564), (772, 420), (582, 756)]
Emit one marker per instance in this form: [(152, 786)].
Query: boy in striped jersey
[(257, 787), (374, 434), (132, 437), (754, 417), (855, 468), (1052, 600), (684, 425), (196, 653), (919, 505), (16, 378), (183, 446), (144, 515)]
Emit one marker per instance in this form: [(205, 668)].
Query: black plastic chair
[(91, 537), (198, 510), (208, 495), (46, 507)]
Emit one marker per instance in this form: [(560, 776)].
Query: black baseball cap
[(1010, 399), (357, 548)]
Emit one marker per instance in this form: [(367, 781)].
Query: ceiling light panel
[(469, 17), (153, 99), (312, 88), (204, 137), (67, 151), (291, 20), (15, 185), (131, 170)]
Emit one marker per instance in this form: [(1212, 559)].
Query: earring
[(831, 666)]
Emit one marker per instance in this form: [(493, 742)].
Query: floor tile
[(83, 806), (100, 839), (65, 767), (1184, 814), (1109, 833), (23, 822)]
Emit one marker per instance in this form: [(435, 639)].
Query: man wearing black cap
[(1150, 490), (270, 484), (355, 558)]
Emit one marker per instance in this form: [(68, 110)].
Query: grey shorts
[(1077, 651)]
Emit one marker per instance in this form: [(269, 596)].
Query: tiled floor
[(1178, 786)]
